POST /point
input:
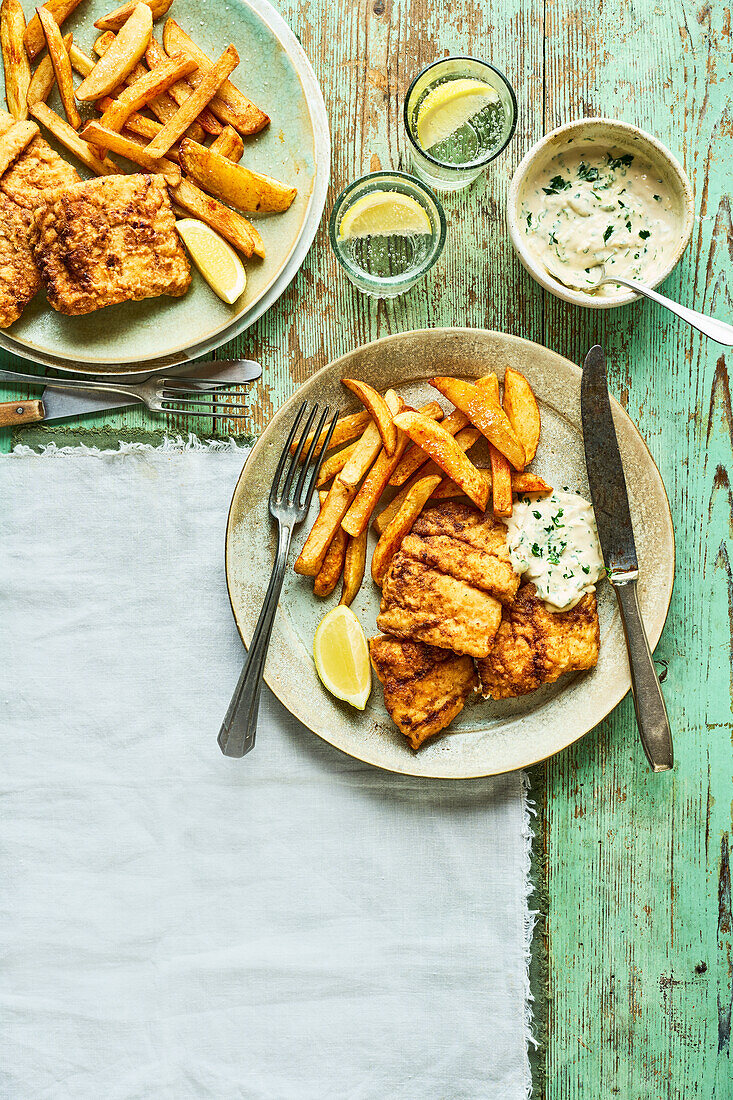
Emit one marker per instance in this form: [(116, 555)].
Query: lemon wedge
[(449, 106), (216, 260), (384, 214), (342, 657)]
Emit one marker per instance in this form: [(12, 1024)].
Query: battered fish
[(110, 240), (420, 603), (19, 278), (424, 687), (467, 544), (534, 646), (23, 188)]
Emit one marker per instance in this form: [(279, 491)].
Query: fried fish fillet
[(19, 278), (420, 603), (424, 687), (110, 240), (36, 173), (467, 544), (534, 646)]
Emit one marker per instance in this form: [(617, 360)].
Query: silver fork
[(159, 393), (289, 504)]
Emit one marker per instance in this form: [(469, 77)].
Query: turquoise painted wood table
[(633, 868)]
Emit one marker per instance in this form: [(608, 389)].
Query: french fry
[(366, 500), (103, 138), (33, 39), (80, 62), (229, 104), (117, 18), (137, 123), (228, 144), (520, 406), (69, 138), (489, 418), (61, 65), (44, 78), (377, 408), (231, 225), (354, 564), (529, 483), (501, 476), (234, 184), (176, 127), (334, 464), (340, 496), (347, 428), (121, 56), (15, 59), (465, 440), (392, 536), (524, 483), (333, 563), (443, 449), (142, 91), (14, 142), (415, 456), (181, 90)]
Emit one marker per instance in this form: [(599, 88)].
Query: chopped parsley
[(557, 183), (628, 226), (529, 218), (585, 568), (537, 515), (657, 198), (607, 234), (587, 173), (536, 549), (644, 233), (618, 162)]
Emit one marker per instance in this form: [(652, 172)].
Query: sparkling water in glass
[(386, 264), (453, 162)]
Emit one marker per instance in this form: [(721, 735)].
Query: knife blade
[(616, 535), (66, 405)]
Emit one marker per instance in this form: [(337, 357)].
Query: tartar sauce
[(591, 206), (553, 542)]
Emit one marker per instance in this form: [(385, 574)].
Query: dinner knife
[(65, 405), (616, 535)]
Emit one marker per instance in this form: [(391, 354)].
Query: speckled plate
[(295, 148), (488, 737)]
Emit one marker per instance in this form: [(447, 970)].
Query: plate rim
[(170, 360), (263, 441)]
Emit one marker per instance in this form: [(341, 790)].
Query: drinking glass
[(386, 264), (455, 161)]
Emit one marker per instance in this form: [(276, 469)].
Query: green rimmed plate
[(276, 73), (488, 737)]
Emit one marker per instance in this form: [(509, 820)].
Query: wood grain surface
[(637, 866)]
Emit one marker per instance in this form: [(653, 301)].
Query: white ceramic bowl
[(619, 135)]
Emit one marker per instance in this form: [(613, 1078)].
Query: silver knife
[(65, 405), (616, 534)]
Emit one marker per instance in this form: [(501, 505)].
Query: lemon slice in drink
[(449, 106), (342, 657), (216, 260), (384, 214)]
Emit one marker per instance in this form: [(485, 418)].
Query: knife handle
[(20, 412), (651, 713)]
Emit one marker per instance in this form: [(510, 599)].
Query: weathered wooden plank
[(640, 966)]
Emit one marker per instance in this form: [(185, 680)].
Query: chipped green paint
[(636, 866)]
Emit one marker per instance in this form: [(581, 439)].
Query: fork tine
[(198, 383), (306, 461), (284, 455), (190, 403), (173, 411), (319, 461), (295, 459)]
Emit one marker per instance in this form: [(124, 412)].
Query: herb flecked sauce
[(590, 206)]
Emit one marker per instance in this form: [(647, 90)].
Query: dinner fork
[(160, 393), (289, 504)]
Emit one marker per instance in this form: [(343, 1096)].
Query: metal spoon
[(719, 331)]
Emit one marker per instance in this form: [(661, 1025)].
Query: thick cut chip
[(534, 646), (59, 55), (69, 138), (354, 564), (121, 57), (187, 114), (124, 146), (520, 405), (488, 417), (110, 240), (233, 183), (446, 452), (232, 226), (15, 59), (33, 38), (117, 18), (424, 687)]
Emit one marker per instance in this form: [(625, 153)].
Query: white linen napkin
[(175, 924)]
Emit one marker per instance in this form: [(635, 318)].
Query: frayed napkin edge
[(170, 445)]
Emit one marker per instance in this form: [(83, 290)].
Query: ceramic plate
[(295, 147), (488, 737)]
